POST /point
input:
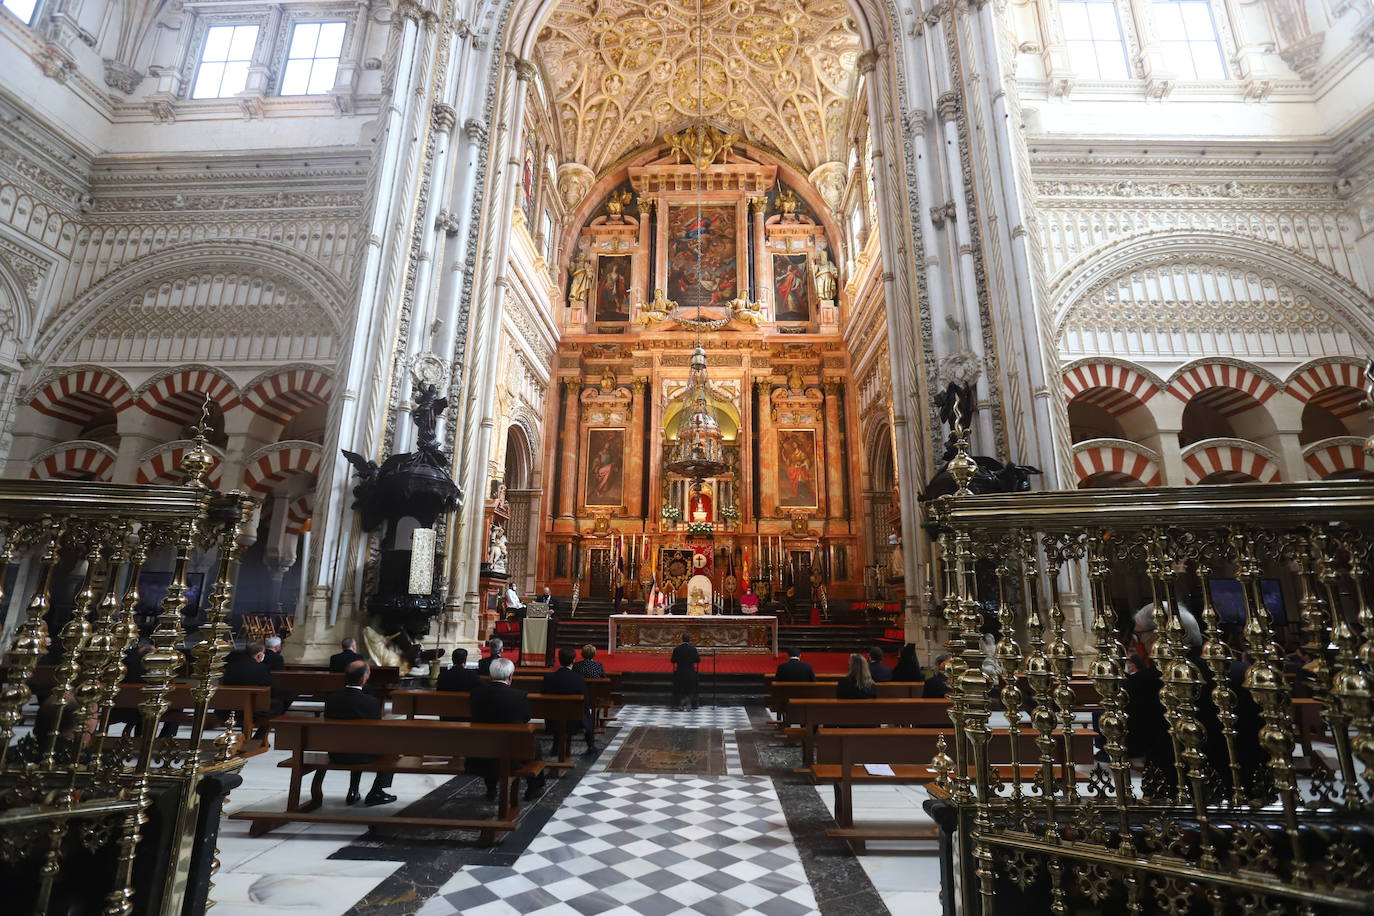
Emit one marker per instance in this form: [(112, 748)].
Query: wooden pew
[(411, 747), (842, 752), (381, 681), (298, 684), (783, 692), (831, 676), (247, 703), (564, 709), (813, 714), (604, 693)]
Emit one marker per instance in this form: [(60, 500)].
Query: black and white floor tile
[(658, 845), (726, 717)]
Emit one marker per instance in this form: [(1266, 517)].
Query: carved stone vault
[(624, 72)]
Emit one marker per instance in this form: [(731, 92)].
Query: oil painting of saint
[(792, 293), (712, 279), (605, 485), (613, 288), (797, 468)]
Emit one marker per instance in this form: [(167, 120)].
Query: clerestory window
[(1092, 32), (1188, 34), (312, 61), (224, 61)]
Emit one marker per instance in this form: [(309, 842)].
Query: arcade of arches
[(1140, 231)]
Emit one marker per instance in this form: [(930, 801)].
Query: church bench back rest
[(404, 738)]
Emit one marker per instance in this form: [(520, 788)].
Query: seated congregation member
[(858, 683), (794, 669), (589, 667), (1147, 732), (340, 661), (937, 685), (493, 653), (499, 703), (458, 676), (907, 668), (353, 703), (273, 657), (567, 682), (881, 673), (247, 667)]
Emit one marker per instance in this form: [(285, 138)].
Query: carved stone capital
[(476, 129), (941, 213), (119, 75), (445, 116), (868, 61), (524, 70), (947, 105), (573, 385)]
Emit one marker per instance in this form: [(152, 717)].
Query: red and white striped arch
[(79, 461), (1229, 456), (1337, 386), (79, 395), (179, 396), (1232, 389), (299, 514), (1112, 387), (1091, 459), (270, 467), (165, 467), (281, 397), (1338, 457)]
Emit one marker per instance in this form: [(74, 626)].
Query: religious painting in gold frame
[(613, 288), (714, 281), (605, 480), (796, 469), (793, 293)]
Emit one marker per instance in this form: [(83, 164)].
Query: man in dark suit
[(352, 703), (499, 703), (273, 657), (494, 652), (549, 600), (340, 661), (248, 668), (794, 669), (457, 676), (567, 682), (876, 667), (686, 683), (937, 685)]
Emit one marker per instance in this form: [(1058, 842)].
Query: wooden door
[(599, 569)]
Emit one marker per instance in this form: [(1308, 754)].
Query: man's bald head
[(355, 675)]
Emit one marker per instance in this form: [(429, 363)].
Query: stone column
[(834, 460), (567, 451), (1287, 413), (762, 269)]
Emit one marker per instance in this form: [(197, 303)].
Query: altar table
[(745, 635)]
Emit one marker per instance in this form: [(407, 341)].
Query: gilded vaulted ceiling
[(622, 72)]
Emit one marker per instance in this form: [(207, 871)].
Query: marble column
[(834, 461), (634, 468), (567, 452), (765, 466), (761, 273)]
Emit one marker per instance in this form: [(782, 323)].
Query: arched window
[(1188, 35), (23, 9), (1092, 32)]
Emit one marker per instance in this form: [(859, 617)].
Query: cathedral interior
[(841, 329)]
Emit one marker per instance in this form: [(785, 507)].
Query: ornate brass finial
[(197, 462), (942, 764), (226, 742), (962, 467)]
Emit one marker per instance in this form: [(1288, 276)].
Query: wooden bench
[(604, 693), (411, 747), (247, 703), (783, 692), (566, 710), (297, 684), (813, 714), (382, 680), (841, 755)]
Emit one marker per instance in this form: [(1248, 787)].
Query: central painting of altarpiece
[(707, 239)]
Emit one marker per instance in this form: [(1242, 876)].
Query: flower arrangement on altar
[(699, 528), (729, 512), (672, 513)]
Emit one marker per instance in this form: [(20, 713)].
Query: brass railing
[(1223, 815), (77, 796)]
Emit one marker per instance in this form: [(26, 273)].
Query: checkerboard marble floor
[(625, 844)]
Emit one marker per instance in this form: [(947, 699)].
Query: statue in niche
[(581, 283), (497, 549), (826, 275), (746, 312), (608, 380), (659, 309)]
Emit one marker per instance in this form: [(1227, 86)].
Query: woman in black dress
[(686, 684), (907, 669), (858, 683)]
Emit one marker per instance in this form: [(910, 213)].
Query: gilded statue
[(746, 312), (581, 283), (697, 605), (789, 204), (659, 309), (615, 205), (826, 275), (700, 144)]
